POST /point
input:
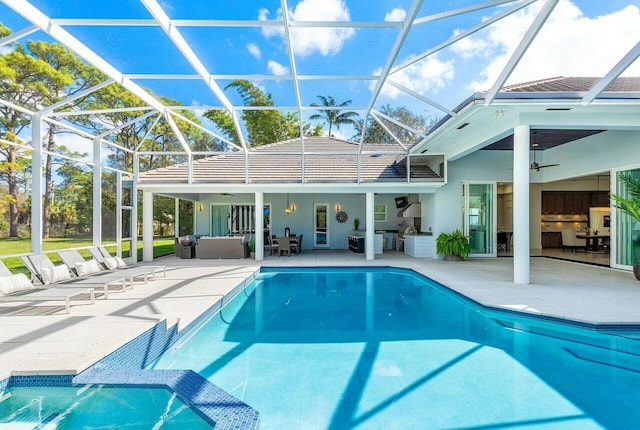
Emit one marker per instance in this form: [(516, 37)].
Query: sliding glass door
[(627, 229), (480, 204)]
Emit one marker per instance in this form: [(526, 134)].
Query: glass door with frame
[(480, 219), (321, 225)]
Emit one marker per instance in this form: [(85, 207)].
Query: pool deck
[(42, 339)]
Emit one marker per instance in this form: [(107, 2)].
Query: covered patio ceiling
[(426, 56)]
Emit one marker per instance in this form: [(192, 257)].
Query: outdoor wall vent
[(557, 109), (461, 126)]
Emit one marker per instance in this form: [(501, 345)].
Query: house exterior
[(455, 173)]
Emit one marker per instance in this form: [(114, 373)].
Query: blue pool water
[(94, 407), (389, 349)]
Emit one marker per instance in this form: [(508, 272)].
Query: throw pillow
[(121, 262), (47, 275), (87, 267), (14, 283), (61, 273), (111, 263)]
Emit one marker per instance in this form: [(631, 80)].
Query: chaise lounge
[(18, 288)]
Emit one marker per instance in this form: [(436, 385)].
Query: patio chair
[(102, 256), (296, 244), (46, 273), (18, 288), (284, 245), (81, 267), (185, 247), (271, 244)]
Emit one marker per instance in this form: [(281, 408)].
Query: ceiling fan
[(534, 165)]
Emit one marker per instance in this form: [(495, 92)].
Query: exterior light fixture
[(200, 207), (290, 208), (338, 207)]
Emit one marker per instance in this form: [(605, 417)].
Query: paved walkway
[(44, 340)]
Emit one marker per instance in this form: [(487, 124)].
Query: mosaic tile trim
[(212, 403), (40, 381)]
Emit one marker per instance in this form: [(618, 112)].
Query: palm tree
[(334, 116)]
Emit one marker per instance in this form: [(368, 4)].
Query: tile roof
[(281, 162), (574, 84)]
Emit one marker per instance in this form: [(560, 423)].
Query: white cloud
[(277, 68), (430, 74), (6, 49), (569, 44), (397, 14), (254, 50), (306, 41)]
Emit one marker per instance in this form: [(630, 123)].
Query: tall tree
[(263, 126), (334, 116), (29, 82), (80, 77), (375, 133)]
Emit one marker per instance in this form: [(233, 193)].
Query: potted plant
[(356, 223), (454, 246), (631, 206)]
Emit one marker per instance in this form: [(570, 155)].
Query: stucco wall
[(301, 221)]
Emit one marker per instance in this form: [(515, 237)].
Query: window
[(235, 219), (380, 213)]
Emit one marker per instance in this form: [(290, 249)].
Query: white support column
[(259, 234), (521, 252), (369, 235), (36, 184), (134, 210), (97, 192), (176, 219), (119, 214), (147, 226)]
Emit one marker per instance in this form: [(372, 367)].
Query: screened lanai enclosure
[(125, 121)]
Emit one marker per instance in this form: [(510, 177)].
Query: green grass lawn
[(9, 246)]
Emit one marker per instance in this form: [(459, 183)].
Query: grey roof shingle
[(281, 162), (574, 84)]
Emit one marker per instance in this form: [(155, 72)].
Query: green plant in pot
[(454, 246), (630, 205), (356, 223)]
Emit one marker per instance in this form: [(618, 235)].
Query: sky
[(580, 38)]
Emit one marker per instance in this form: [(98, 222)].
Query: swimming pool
[(95, 407), (386, 348)]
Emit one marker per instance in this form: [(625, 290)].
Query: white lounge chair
[(18, 288), (102, 256), (81, 267), (45, 272)]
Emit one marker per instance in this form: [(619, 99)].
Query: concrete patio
[(43, 340)]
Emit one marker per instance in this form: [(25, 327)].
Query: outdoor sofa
[(223, 247)]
